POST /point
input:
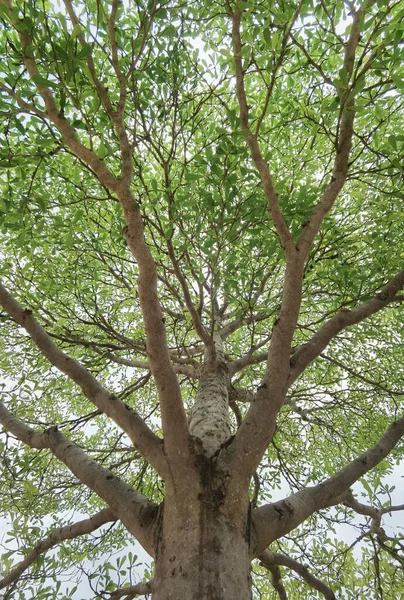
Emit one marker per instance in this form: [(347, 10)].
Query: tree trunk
[(203, 548)]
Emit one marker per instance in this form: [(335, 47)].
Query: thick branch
[(262, 167), (146, 442), (235, 366), (187, 370), (270, 559), (272, 521), (173, 414), (68, 532), (174, 421), (345, 318), (135, 511), (140, 589), (344, 142), (25, 434), (259, 424), (276, 579)]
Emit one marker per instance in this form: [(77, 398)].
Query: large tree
[(202, 250)]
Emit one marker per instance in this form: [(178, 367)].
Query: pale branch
[(68, 532), (283, 232), (231, 327), (376, 528), (235, 366), (184, 369), (276, 579), (196, 319), (34, 439), (274, 520), (135, 511), (130, 592), (240, 395), (270, 559), (166, 380), (246, 396), (115, 114), (174, 420), (343, 143), (345, 318), (147, 443), (374, 513)]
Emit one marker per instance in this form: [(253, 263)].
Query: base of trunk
[(210, 562)]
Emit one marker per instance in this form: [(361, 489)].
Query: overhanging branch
[(147, 443), (345, 318), (272, 559), (272, 521), (68, 532), (135, 511)]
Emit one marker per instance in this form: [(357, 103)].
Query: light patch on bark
[(210, 420)]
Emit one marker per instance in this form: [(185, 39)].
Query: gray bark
[(210, 420), (203, 550)]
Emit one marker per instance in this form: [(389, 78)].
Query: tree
[(202, 250)]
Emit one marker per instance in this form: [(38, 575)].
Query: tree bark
[(203, 550), (210, 420)]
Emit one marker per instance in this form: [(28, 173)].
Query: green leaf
[(85, 52), (77, 29), (43, 82), (192, 176)]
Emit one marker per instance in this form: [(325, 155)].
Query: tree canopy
[(176, 172)]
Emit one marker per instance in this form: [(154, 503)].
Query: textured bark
[(210, 560), (204, 546), (210, 420)]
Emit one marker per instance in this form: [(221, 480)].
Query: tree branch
[(140, 589), (345, 318), (270, 559), (272, 521), (53, 113), (196, 319), (259, 425), (68, 532), (235, 366), (276, 579), (261, 166), (146, 442), (116, 116), (135, 511), (174, 419), (344, 142)]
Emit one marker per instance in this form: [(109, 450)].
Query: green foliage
[(63, 253)]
